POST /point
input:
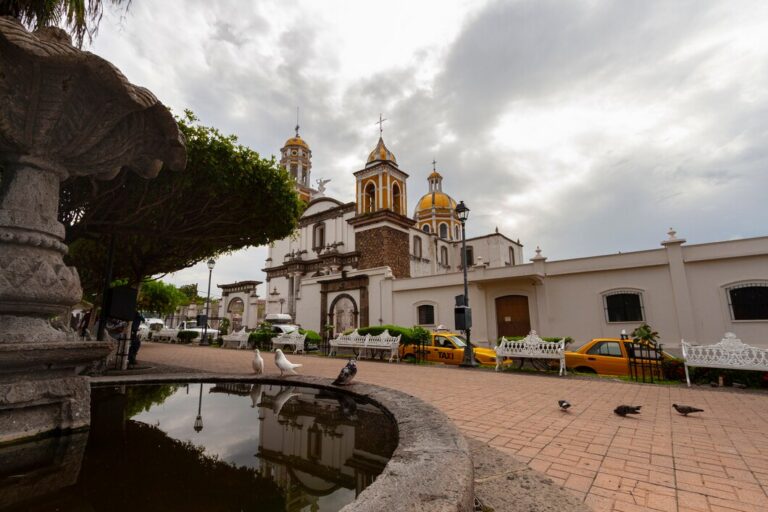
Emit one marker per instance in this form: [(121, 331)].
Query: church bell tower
[(296, 157)]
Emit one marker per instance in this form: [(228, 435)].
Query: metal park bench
[(360, 344), (290, 338), (237, 339), (729, 353), (531, 347)]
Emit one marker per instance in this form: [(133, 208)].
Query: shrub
[(187, 336), (405, 333), (312, 336), (261, 338), (673, 369), (224, 326), (750, 378), (568, 339)]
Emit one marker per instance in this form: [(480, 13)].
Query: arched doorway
[(512, 316), (235, 310), (343, 314)]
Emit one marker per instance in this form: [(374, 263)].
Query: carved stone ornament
[(63, 112)]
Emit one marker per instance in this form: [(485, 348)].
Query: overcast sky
[(583, 127)]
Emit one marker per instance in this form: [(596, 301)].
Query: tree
[(159, 297), (80, 18), (227, 198)]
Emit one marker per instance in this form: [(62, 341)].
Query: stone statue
[(321, 186), (64, 112)]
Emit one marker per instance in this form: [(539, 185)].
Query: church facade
[(367, 262)]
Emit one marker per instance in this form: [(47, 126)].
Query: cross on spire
[(380, 122), (297, 121), (434, 162)]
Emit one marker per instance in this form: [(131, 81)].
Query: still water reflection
[(223, 447)]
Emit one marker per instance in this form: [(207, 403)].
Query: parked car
[(448, 348), (149, 327), (189, 325), (604, 356), (281, 323)]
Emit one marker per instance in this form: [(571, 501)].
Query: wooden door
[(512, 317)]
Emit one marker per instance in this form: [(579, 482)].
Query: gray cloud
[(583, 127)]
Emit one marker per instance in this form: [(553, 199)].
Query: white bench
[(383, 342), (729, 353), (237, 339), (531, 347), (290, 338)]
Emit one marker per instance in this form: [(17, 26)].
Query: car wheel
[(585, 369)]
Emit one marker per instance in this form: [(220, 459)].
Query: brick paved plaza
[(716, 461)]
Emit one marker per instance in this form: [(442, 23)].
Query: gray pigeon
[(564, 404), (739, 385), (347, 373), (623, 410), (685, 410)]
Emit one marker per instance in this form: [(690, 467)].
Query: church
[(367, 262), (338, 269)]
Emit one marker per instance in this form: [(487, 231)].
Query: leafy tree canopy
[(80, 18), (159, 297), (227, 198)]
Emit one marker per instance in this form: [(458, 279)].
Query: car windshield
[(459, 341)]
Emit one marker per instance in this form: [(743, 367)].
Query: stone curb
[(430, 470)]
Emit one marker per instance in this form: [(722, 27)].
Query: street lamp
[(468, 361), (211, 264), (198, 426)]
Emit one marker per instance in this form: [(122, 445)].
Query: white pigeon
[(284, 365), (257, 363)]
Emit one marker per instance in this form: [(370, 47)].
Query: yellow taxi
[(448, 348), (605, 356)]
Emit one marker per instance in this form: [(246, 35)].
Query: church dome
[(381, 154), (296, 141), (435, 199)]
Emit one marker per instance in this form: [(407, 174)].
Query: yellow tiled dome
[(296, 141), (381, 154), (436, 199)]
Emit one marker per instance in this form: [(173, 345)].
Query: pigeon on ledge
[(346, 374), (257, 363), (564, 404), (623, 410), (284, 365), (685, 410)]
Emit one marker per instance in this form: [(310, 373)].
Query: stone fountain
[(63, 112)]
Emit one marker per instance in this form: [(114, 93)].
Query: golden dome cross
[(434, 162), (380, 122)]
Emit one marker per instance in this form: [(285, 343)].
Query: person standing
[(138, 319)]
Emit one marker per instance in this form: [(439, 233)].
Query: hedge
[(312, 336), (408, 336), (568, 339)]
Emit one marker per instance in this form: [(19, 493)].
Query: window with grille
[(470, 256), (417, 246), (426, 314), (749, 301), (623, 306), (443, 230)]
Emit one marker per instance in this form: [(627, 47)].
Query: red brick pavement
[(715, 461)]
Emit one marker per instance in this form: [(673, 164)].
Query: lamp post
[(468, 361), (198, 426), (211, 264)]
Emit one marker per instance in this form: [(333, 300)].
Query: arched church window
[(417, 246), (443, 230), (318, 236), (370, 198), (425, 228), (395, 198), (444, 255), (426, 314)]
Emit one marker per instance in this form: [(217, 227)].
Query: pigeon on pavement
[(257, 363), (347, 373), (623, 410), (685, 410), (284, 365), (564, 404), (739, 385)]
